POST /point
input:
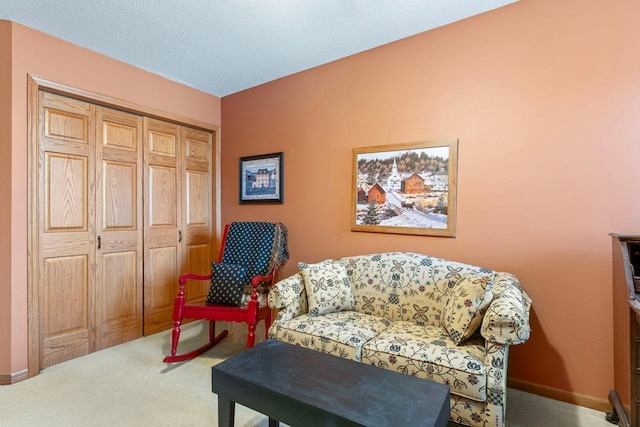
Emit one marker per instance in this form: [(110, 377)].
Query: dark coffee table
[(303, 387)]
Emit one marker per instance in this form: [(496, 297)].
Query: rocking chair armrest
[(185, 277), (256, 280)]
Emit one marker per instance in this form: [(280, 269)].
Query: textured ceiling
[(224, 46)]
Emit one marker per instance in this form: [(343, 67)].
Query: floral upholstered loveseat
[(440, 320)]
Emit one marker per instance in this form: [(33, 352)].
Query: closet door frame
[(35, 85)]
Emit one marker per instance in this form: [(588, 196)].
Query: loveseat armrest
[(289, 296), (506, 321)]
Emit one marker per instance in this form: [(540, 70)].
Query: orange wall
[(544, 96), (5, 186), (53, 59)]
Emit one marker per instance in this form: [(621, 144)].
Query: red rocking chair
[(239, 240)]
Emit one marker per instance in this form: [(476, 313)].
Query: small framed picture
[(261, 179)]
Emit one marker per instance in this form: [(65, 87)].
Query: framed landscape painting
[(405, 188), (261, 178)]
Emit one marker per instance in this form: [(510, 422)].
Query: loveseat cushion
[(428, 352), (465, 306), (342, 334), (327, 286)]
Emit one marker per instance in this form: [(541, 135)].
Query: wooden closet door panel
[(66, 317), (163, 256), (119, 293), (197, 211), (66, 203), (66, 228), (162, 271), (163, 194)]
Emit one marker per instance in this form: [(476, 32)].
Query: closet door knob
[(99, 242), (179, 236)]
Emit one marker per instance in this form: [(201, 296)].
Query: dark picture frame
[(405, 188), (262, 179)]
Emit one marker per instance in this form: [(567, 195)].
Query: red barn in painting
[(362, 195), (377, 195), (413, 184)]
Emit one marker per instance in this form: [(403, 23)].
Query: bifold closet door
[(66, 229), (119, 292), (90, 228), (197, 211), (178, 217), (163, 255)]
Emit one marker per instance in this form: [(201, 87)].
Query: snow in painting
[(407, 188)]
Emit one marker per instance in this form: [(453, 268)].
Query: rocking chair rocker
[(258, 250)]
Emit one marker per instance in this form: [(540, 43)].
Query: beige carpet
[(128, 385)]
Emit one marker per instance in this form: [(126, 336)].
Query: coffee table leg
[(226, 412), (273, 423)]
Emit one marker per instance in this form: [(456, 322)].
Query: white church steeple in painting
[(394, 180)]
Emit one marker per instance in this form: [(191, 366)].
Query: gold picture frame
[(407, 188)]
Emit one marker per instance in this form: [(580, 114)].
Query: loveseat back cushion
[(465, 306), (327, 286), (404, 286)]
